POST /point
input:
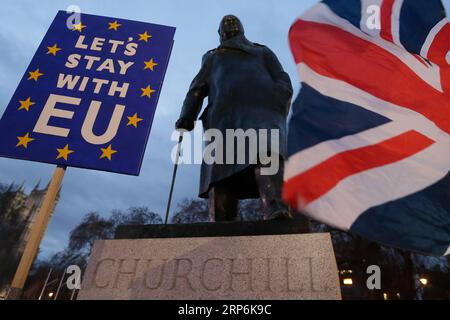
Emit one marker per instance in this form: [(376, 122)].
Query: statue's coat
[(247, 88)]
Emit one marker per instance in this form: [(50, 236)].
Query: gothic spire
[(21, 187), (36, 187)]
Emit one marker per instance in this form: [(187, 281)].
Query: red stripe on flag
[(314, 183), (294, 43), (386, 20), (335, 53)]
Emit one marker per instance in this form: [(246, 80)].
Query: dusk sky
[(23, 24)]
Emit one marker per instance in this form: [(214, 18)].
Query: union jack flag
[(369, 143)]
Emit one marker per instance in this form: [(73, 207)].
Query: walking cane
[(175, 167)]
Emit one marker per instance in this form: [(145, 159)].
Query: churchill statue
[(246, 88)]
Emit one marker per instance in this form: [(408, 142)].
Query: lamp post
[(423, 281), (347, 281), (45, 284)]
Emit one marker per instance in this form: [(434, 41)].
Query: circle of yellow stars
[(64, 152)]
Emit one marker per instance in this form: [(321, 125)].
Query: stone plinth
[(288, 266)]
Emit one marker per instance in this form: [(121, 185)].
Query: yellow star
[(144, 36), (25, 104), (114, 25), (150, 64), (133, 121), (107, 152), (35, 75), (147, 92), (23, 141), (78, 27), (64, 152), (53, 49)]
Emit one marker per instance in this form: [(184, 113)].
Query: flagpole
[(175, 167), (37, 233), (45, 284), (60, 284)]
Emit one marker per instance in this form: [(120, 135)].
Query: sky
[(23, 24), (22, 27)]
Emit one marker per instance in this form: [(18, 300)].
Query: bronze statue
[(247, 88)]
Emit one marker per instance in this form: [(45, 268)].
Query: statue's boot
[(270, 192), (223, 205)]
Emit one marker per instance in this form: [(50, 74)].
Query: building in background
[(18, 211)]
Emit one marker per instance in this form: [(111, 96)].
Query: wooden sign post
[(36, 234)]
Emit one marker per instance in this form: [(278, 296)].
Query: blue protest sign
[(89, 95)]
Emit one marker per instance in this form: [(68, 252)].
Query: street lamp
[(348, 281), (50, 294), (423, 281)]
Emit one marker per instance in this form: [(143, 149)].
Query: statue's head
[(230, 27)]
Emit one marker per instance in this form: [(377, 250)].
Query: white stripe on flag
[(395, 22)]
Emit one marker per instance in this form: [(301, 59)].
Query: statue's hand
[(184, 124)]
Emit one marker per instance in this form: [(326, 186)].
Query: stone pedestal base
[(288, 266)]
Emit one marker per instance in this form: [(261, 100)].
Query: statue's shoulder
[(208, 55), (264, 49), (259, 45)]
